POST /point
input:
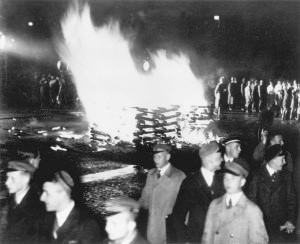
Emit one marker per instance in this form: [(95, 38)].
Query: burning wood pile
[(165, 124), (159, 124)]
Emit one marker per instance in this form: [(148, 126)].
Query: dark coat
[(79, 227), (193, 199), (137, 240), (277, 200), (23, 219)]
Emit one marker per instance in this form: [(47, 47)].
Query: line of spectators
[(57, 91), (258, 95)]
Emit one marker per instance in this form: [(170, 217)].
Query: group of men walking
[(258, 95), (225, 201)]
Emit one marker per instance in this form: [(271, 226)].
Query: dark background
[(252, 39)]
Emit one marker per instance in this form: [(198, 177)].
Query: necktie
[(158, 174), (229, 203), (55, 228)]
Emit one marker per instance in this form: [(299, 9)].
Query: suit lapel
[(203, 185), (69, 225), (268, 183)]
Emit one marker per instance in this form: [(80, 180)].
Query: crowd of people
[(228, 200), (57, 91), (252, 96)]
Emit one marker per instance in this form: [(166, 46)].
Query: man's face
[(232, 183), (216, 160), (277, 140), (161, 159), (278, 162), (119, 226), (17, 181), (53, 196), (233, 149)]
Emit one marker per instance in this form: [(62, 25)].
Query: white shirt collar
[(270, 170), (63, 215), (164, 169), (19, 197), (208, 175), (226, 158), (234, 198)]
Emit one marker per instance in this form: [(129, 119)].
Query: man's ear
[(168, 156), (243, 182)]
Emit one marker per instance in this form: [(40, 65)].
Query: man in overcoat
[(66, 222), (196, 193), (22, 210), (272, 189), (160, 192), (233, 218), (269, 139)]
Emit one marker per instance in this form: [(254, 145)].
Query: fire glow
[(108, 84)]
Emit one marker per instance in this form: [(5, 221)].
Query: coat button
[(231, 235), (217, 232)]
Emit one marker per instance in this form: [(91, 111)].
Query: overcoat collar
[(226, 216), (266, 179), (168, 172)]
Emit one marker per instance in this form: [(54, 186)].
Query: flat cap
[(274, 151), (230, 139), (20, 165), (162, 148), (209, 148), (64, 178), (122, 204), (238, 167)]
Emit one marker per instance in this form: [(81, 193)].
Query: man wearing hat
[(196, 193), (273, 190), (269, 139), (232, 145), (121, 223), (160, 192), (23, 208), (66, 222), (233, 218)]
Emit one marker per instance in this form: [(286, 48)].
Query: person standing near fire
[(160, 192), (220, 96)]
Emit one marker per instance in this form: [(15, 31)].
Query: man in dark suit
[(66, 222), (121, 222), (22, 210), (272, 189), (196, 193)]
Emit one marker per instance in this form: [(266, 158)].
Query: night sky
[(252, 38)]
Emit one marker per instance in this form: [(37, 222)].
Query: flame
[(107, 81)]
